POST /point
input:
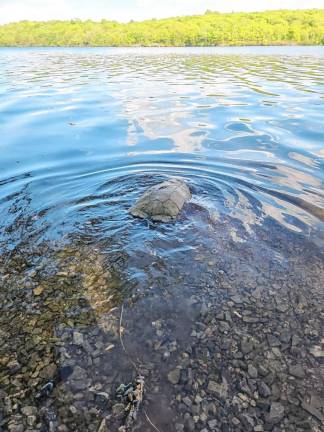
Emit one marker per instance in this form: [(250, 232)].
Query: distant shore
[(270, 28)]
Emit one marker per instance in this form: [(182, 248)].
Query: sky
[(126, 10)]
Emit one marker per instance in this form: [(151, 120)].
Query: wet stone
[(31, 420), (276, 413), (189, 424), (297, 371), (247, 422), (219, 390), (246, 347), (264, 389), (174, 376), (14, 366), (29, 410), (252, 371), (212, 423), (78, 338), (187, 401)]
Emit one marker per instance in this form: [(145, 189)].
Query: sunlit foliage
[(303, 27)]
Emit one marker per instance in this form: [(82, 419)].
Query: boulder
[(162, 202)]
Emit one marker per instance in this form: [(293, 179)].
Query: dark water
[(85, 131)]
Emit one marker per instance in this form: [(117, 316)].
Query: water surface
[(83, 133)]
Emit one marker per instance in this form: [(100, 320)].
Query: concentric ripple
[(85, 131)]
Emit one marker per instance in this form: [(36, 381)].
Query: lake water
[(83, 133)]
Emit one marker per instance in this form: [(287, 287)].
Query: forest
[(281, 27)]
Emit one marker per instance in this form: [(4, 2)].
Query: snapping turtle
[(162, 202)]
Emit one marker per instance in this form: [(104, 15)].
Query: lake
[(219, 311)]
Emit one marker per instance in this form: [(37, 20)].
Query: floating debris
[(131, 395), (45, 391)]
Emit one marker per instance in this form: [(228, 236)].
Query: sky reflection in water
[(81, 128)]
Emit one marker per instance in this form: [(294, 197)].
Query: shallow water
[(83, 133)]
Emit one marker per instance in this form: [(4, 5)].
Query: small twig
[(120, 328), (133, 363), (150, 422), (122, 342)]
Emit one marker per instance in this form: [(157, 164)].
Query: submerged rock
[(174, 376), (162, 202)]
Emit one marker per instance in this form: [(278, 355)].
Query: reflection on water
[(83, 133), (231, 124)]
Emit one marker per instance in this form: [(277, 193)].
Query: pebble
[(174, 376), (277, 412), (212, 423), (252, 371), (297, 371), (29, 410), (38, 291), (189, 424), (78, 338), (14, 366), (219, 389), (242, 340), (246, 347), (264, 389), (187, 401)]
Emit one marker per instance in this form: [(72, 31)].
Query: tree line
[(296, 27)]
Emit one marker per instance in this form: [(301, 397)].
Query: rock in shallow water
[(162, 202)]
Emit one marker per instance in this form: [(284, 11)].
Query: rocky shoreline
[(235, 344)]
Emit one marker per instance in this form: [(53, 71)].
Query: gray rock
[(219, 389), (212, 423), (78, 338), (29, 410), (263, 389), (79, 374), (13, 427), (189, 424), (309, 407), (31, 420), (246, 347), (187, 401), (79, 379), (204, 309), (252, 371), (14, 366), (101, 398), (317, 351), (174, 376), (297, 371), (162, 202), (277, 412), (247, 422)]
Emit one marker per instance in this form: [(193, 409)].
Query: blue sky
[(125, 10)]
